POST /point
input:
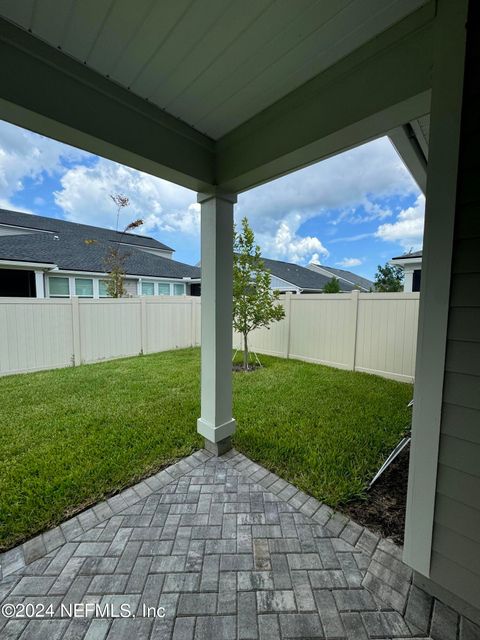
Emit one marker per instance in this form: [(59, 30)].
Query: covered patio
[(220, 98)]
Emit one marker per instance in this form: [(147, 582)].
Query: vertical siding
[(455, 561)]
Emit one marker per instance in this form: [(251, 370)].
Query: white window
[(178, 289), (148, 288), (163, 289), (84, 287), (102, 289), (58, 287)]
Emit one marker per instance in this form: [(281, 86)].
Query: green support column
[(216, 423)]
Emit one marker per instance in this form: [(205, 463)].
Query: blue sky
[(355, 210)]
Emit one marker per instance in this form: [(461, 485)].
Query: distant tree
[(254, 302), (389, 278), (115, 257), (121, 201), (333, 286)]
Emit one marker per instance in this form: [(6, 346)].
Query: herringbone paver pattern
[(225, 554)]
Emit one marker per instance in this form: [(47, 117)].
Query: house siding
[(455, 561), (131, 287)]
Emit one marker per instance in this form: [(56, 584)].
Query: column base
[(220, 447), (216, 433)]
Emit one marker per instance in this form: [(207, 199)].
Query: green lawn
[(69, 437)]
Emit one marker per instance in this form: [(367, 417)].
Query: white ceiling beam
[(380, 86), (44, 90)]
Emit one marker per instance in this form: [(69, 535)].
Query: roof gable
[(301, 277)]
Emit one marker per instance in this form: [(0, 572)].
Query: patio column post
[(216, 423)]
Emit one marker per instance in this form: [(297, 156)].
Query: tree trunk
[(245, 351)]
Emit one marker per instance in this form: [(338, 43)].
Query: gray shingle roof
[(68, 250), (30, 221), (362, 282), (300, 276)]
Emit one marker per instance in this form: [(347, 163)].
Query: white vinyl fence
[(371, 332), (47, 333)]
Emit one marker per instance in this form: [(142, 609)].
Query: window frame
[(59, 295), (147, 282), (164, 284), (100, 295), (78, 295)]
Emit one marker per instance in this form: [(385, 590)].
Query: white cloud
[(349, 262), (277, 211), (357, 178), (407, 230), (287, 245), (85, 192), (25, 155)]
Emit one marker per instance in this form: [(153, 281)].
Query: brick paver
[(227, 549)]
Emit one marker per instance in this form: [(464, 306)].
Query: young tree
[(115, 258), (389, 278), (332, 287), (254, 302)]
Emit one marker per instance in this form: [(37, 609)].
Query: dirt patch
[(251, 367), (383, 510)]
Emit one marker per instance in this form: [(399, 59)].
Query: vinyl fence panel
[(35, 334), (370, 332), (38, 334)]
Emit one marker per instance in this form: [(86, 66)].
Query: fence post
[(143, 324), (193, 322), (288, 320), (354, 297), (77, 347)]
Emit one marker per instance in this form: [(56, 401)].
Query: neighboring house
[(411, 264), (45, 257), (287, 276), (345, 278)]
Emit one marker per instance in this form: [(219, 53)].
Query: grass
[(69, 437)]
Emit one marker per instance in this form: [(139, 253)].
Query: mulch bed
[(251, 367), (384, 509)]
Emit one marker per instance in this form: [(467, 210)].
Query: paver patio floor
[(227, 549)]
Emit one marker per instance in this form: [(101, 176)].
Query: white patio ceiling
[(212, 63)]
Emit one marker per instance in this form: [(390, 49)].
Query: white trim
[(214, 433), (47, 288), (400, 262), (27, 265), (410, 153), (448, 73), (128, 276), (157, 251), (39, 284), (6, 225), (75, 287)]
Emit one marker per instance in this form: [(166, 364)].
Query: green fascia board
[(44, 90)]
